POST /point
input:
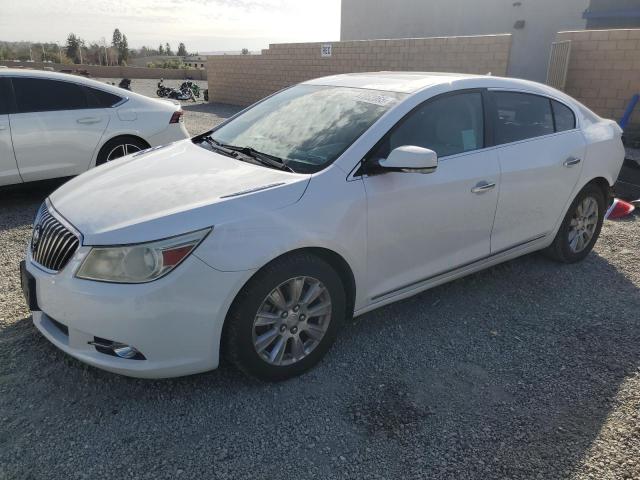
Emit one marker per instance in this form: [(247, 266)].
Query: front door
[(423, 225), (55, 132)]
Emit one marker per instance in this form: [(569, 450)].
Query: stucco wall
[(604, 69), (371, 19), (245, 79), (116, 71)]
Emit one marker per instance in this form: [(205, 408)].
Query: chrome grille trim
[(54, 243)]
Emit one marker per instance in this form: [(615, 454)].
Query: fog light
[(115, 349), (125, 351)]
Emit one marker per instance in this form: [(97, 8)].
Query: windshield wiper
[(219, 147)]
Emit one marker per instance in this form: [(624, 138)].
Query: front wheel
[(580, 228), (286, 318)]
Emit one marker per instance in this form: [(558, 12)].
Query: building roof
[(402, 82)]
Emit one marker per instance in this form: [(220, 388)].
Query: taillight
[(177, 115)]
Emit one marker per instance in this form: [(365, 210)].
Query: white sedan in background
[(58, 125), (329, 199)]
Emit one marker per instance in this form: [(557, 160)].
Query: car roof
[(413, 82), (25, 72), (401, 82)]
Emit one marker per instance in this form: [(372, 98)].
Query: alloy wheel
[(292, 321), (583, 224), (122, 150)]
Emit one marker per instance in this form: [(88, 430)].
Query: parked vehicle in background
[(163, 90), (57, 125), (329, 199), (189, 85), (628, 185)]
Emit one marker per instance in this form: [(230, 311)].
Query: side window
[(521, 116), (565, 119), (42, 95), (448, 125), (100, 98), (4, 96)]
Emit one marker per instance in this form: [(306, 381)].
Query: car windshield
[(307, 126)]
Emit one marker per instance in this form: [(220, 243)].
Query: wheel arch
[(119, 136), (334, 259)]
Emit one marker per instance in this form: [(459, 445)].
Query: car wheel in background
[(286, 318), (119, 147), (580, 228)]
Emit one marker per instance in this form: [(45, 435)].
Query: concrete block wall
[(245, 79), (103, 71), (604, 70)]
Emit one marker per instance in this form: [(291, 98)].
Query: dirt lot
[(527, 370)]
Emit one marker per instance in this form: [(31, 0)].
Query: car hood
[(169, 191)]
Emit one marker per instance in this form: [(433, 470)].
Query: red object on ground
[(619, 209)]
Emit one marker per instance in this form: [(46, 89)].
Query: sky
[(203, 25)]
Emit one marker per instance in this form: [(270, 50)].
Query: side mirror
[(411, 159)]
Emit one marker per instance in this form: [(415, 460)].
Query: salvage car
[(55, 125), (329, 199)]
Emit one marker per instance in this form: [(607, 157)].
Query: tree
[(245, 51), (123, 51), (167, 49), (116, 39), (74, 44), (182, 50), (160, 50)]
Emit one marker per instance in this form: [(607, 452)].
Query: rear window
[(100, 98), (522, 116), (565, 119), (43, 95)]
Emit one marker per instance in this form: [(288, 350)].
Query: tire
[(160, 93), (118, 147), (562, 249), (243, 338)]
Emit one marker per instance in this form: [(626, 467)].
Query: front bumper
[(175, 322)]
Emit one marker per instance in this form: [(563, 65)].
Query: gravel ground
[(527, 370)]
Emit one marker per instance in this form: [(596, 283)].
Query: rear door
[(8, 166), (55, 129), (540, 153)]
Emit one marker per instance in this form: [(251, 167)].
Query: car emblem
[(37, 232)]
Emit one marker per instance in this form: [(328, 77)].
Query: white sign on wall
[(326, 50)]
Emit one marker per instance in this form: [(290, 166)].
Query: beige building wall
[(245, 79), (604, 70)]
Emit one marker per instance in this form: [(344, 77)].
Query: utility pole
[(80, 48), (44, 55), (59, 52), (30, 54)]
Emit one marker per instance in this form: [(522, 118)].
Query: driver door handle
[(572, 161), (483, 187)]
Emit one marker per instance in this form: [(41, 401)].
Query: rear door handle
[(483, 187), (571, 162), (89, 120)]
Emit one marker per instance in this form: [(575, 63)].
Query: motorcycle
[(190, 85), (125, 83), (185, 94), (163, 90)]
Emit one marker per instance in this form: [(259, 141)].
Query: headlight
[(139, 263)]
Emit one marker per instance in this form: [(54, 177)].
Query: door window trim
[(549, 98), (488, 130)]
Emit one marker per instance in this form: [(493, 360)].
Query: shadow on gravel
[(19, 203), (509, 373)]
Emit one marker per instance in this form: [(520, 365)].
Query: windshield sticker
[(375, 99)]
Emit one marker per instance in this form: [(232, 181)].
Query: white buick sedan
[(58, 125), (326, 200)]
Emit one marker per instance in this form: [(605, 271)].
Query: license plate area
[(28, 284)]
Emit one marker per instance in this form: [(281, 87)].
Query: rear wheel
[(286, 318), (580, 228), (119, 147)]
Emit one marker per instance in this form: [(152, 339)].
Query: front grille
[(52, 244)]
